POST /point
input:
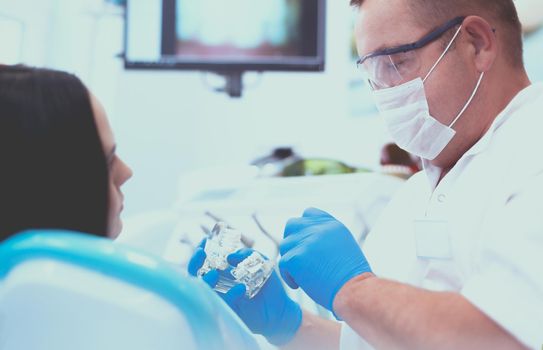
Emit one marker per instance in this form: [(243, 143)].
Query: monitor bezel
[(287, 64)]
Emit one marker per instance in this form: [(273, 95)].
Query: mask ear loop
[(469, 100), (443, 54)]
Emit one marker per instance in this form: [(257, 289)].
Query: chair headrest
[(191, 296)]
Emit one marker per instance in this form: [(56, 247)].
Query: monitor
[(225, 35)]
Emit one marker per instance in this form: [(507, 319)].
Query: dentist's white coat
[(489, 215)]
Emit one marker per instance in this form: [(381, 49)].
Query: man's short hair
[(501, 14)]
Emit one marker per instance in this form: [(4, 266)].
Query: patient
[(58, 166)]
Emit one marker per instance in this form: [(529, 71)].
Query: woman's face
[(119, 172)]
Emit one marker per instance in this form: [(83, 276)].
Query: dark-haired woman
[(58, 166)]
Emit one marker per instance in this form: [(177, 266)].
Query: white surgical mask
[(407, 116)]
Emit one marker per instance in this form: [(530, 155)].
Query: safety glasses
[(393, 66)]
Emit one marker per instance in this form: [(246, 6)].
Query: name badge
[(433, 239)]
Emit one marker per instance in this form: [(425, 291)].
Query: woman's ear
[(483, 41)]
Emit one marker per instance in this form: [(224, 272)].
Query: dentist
[(456, 260)]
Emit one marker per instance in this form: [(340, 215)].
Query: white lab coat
[(489, 234)]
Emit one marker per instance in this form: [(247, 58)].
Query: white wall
[(533, 51), (169, 123)]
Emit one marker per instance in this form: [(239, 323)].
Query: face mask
[(407, 116)]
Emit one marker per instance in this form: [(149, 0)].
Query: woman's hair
[(53, 171)]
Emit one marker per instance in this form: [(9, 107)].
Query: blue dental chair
[(64, 290)]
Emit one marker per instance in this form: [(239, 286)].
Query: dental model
[(253, 271)]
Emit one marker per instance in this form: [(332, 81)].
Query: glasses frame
[(427, 39)]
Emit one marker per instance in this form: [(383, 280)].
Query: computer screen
[(225, 35)]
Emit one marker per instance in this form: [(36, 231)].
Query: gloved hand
[(320, 255), (270, 313)]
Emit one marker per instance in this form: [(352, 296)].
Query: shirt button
[(441, 198)]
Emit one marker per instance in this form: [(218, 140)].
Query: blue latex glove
[(320, 255), (270, 313)]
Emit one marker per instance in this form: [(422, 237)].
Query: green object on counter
[(311, 167)]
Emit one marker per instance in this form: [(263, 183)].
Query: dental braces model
[(253, 271)]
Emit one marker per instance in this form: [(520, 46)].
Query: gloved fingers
[(314, 212), (290, 243), (211, 278), (234, 295), (202, 243), (284, 266), (235, 258), (294, 226), (196, 261), (311, 217)]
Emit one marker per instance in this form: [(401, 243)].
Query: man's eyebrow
[(382, 47), (385, 47), (111, 154)]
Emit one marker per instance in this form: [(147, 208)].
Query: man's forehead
[(384, 23)]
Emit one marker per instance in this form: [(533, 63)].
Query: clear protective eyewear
[(393, 66)]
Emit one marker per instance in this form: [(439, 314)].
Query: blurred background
[(175, 127)]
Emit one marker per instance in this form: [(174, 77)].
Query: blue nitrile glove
[(270, 313), (320, 255)]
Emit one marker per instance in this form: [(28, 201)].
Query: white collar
[(523, 97)]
